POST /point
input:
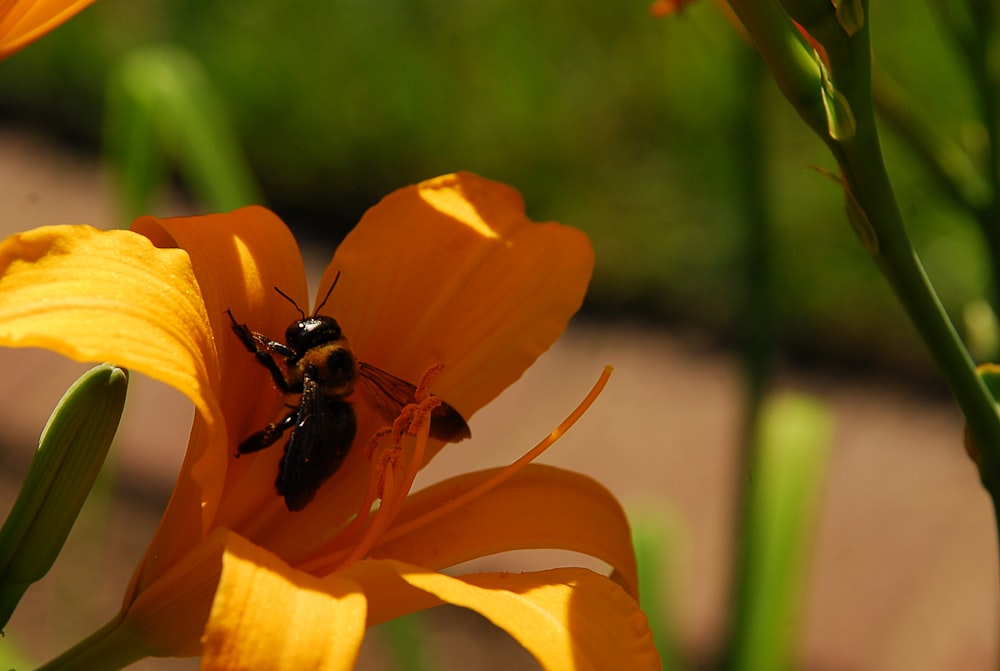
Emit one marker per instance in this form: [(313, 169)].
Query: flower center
[(390, 484)]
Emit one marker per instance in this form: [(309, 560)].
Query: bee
[(316, 363)]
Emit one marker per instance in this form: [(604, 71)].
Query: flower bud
[(70, 454)]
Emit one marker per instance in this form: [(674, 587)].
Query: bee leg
[(262, 348), (269, 435)]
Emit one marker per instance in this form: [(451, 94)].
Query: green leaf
[(654, 536), (790, 455), (406, 640), (13, 657), (162, 110)]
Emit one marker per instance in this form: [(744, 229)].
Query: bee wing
[(317, 446), (388, 394)]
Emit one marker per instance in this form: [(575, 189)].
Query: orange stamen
[(420, 425), (372, 531), (361, 518), (376, 439), (424, 383), (392, 498), (382, 485), (506, 473), (416, 417)]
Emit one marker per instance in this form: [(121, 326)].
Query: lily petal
[(539, 507), (266, 615), (167, 620), (96, 296), (237, 257), (472, 283), (476, 285), (567, 618), (169, 616), (24, 21)]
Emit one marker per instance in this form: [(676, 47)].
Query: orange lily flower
[(24, 21), (449, 271)]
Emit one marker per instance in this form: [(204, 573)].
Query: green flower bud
[(70, 453), (840, 120)]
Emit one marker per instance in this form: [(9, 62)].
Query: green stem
[(787, 55), (110, 648), (871, 201), (756, 323), (872, 204), (864, 172), (750, 197), (867, 183)]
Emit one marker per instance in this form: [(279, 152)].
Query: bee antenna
[(292, 301), (327, 297)]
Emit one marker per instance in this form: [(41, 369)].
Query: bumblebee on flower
[(449, 271)]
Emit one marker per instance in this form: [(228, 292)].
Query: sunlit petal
[(266, 615), (238, 258), (170, 613), (567, 618), (450, 272), (447, 271), (112, 296), (470, 281), (539, 507)]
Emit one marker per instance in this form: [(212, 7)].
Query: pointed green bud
[(840, 121), (70, 454)]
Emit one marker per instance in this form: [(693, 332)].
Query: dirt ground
[(904, 571)]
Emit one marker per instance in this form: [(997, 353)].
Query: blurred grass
[(604, 117)]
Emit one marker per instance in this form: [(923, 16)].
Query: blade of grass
[(162, 110), (654, 535), (789, 459), (405, 639)]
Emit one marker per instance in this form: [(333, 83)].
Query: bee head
[(311, 332)]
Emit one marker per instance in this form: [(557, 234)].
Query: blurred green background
[(626, 126)]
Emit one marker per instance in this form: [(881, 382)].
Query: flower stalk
[(110, 648), (845, 63), (867, 184)]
